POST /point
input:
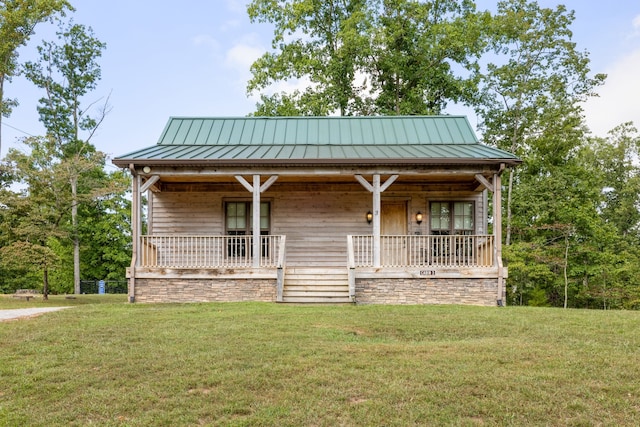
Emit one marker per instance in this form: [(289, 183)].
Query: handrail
[(208, 251), (424, 250)]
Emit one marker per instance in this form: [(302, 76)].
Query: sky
[(192, 58)]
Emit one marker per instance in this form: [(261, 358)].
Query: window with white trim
[(452, 218), (239, 222)]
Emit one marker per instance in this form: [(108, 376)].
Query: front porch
[(412, 269)]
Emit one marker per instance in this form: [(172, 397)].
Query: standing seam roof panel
[(194, 130), (205, 131), (171, 131), (183, 131), (245, 133)]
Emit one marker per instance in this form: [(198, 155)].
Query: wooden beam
[(484, 181), (267, 184), (244, 183), (376, 189), (136, 225), (149, 184), (388, 182), (376, 220), (364, 183), (497, 230), (256, 221), (256, 189)]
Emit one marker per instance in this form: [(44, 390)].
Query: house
[(371, 210)]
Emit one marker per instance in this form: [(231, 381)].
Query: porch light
[(146, 169), (369, 217), (419, 217)]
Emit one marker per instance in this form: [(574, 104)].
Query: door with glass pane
[(239, 222), (448, 221)]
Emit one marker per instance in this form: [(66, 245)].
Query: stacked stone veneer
[(468, 291), (204, 290)]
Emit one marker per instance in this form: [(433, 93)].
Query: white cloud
[(618, 100), (237, 6), (207, 41), (636, 27), (241, 56), (230, 25)]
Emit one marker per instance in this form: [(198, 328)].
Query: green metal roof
[(281, 139)]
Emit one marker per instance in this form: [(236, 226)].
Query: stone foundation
[(204, 290), (476, 291)]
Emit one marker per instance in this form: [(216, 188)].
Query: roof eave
[(124, 162)]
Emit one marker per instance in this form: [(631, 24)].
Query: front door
[(393, 225)]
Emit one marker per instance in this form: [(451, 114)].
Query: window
[(449, 218), (239, 222)]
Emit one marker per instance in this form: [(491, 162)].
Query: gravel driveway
[(26, 312)]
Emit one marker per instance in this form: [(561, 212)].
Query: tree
[(67, 72), (35, 214), (416, 47), (324, 41), (539, 77), (617, 157), (368, 56), (18, 19), (107, 220)]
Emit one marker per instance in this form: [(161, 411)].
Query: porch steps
[(316, 285)]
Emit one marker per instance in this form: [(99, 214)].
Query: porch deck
[(200, 251)]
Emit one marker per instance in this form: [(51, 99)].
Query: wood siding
[(315, 219)]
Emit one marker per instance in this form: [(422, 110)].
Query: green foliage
[(61, 275), (18, 19), (537, 72), (416, 47), (326, 42), (105, 225), (38, 217), (67, 72), (368, 56)]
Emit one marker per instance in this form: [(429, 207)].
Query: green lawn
[(274, 364)]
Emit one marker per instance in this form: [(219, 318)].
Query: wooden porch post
[(376, 189), (376, 220), (256, 221), (497, 231), (256, 189), (136, 225)]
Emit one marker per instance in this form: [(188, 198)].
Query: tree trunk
[(566, 262), (76, 241), (1, 102), (45, 284)]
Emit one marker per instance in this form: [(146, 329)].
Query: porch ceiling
[(443, 180)]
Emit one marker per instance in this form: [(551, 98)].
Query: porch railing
[(208, 251), (423, 250)]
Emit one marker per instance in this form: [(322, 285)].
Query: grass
[(272, 364)]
